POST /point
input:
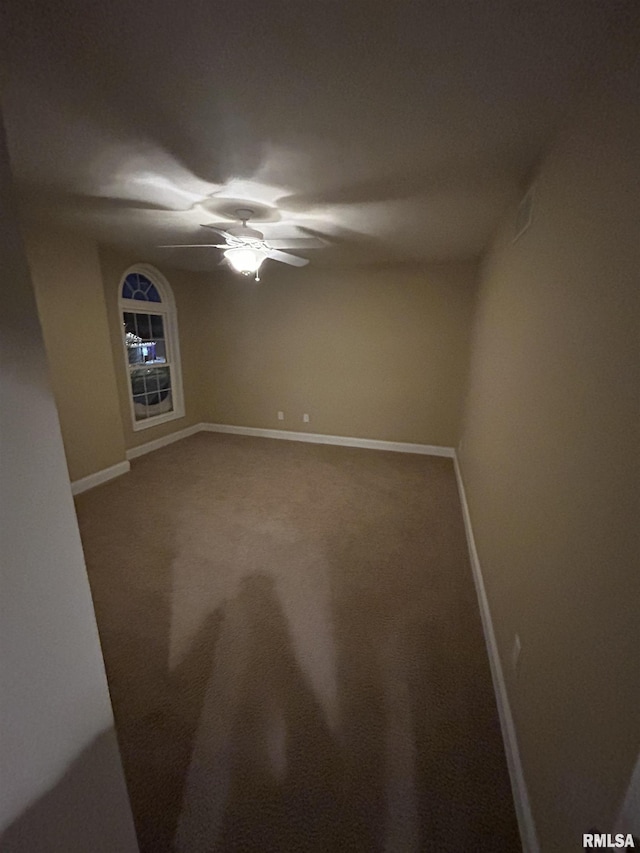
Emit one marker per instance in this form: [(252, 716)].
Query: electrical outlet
[(515, 654), (305, 418), (280, 416)]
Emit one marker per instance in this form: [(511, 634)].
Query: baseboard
[(524, 814), (100, 477), (343, 440), (157, 443)]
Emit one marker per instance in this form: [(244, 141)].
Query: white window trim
[(167, 307)]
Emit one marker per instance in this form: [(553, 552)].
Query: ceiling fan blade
[(219, 231), (296, 243), (193, 246), (286, 258)]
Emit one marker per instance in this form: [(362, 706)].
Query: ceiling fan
[(246, 248)]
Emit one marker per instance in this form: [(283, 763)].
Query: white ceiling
[(400, 131)]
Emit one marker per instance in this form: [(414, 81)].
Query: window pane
[(151, 405), (164, 404), (164, 376), (135, 353), (158, 385), (137, 382), (155, 382), (129, 320), (138, 286), (157, 326), (153, 295), (140, 408), (143, 326), (149, 353), (161, 352), (151, 382), (144, 338), (131, 339)]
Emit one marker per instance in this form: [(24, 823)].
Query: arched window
[(152, 353)]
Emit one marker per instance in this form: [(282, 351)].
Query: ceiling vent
[(524, 215)]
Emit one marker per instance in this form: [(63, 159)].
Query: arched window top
[(137, 286)]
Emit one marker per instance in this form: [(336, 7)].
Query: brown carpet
[(294, 651)]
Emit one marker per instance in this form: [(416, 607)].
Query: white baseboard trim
[(311, 437), (150, 446), (343, 440), (526, 824), (100, 477)]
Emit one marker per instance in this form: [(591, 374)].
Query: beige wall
[(68, 283), (370, 353), (549, 459), (187, 290), (375, 354)]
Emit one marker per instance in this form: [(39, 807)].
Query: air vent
[(524, 215)]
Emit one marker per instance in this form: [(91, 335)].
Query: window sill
[(157, 420)]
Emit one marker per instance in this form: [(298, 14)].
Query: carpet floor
[(294, 651)]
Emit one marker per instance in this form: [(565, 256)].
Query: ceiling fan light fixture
[(245, 261)]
